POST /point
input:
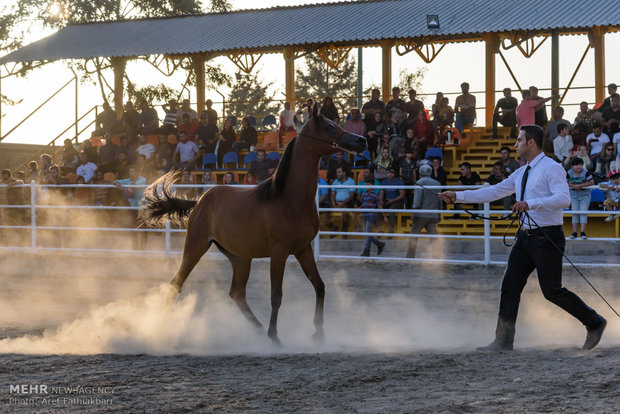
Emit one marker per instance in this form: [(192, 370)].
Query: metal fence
[(32, 224)]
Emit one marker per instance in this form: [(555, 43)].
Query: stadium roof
[(341, 23)]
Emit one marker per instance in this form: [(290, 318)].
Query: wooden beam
[(199, 72), (492, 48), (597, 42), (289, 74), (118, 65), (386, 69), (555, 66)]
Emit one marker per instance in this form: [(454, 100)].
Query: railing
[(36, 228)]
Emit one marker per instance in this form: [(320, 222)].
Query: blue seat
[(433, 152), (597, 196), (247, 160), (364, 157), (209, 159), (252, 121), (269, 122), (230, 157), (274, 155)]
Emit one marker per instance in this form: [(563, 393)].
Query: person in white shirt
[(86, 168), (542, 193), (287, 120), (563, 143), (595, 141), (146, 148), (186, 152)]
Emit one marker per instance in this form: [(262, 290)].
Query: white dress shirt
[(546, 191)]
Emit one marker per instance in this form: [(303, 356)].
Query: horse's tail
[(158, 201)]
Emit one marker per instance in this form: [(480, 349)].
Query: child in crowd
[(581, 153), (578, 178), (370, 199), (611, 188)]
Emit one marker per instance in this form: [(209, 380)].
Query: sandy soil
[(399, 338)]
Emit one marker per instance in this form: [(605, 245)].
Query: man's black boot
[(504, 337), (594, 335)]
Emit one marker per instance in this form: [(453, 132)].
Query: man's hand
[(448, 196), (520, 207)]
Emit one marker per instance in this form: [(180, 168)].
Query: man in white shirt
[(563, 143), (86, 168), (287, 120), (595, 141), (542, 191), (146, 148), (186, 151)]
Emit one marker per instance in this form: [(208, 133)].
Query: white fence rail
[(35, 227)]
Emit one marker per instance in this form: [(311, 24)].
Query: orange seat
[(323, 174), (288, 137), (152, 139), (95, 141), (71, 177), (270, 141), (172, 139), (360, 176), (116, 140)]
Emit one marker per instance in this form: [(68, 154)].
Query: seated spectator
[(413, 107), (396, 107), (148, 122), (329, 110), (606, 161), (207, 133), (582, 153), (172, 117), (407, 172), (186, 179), (551, 130), (387, 125), (129, 149), (248, 138), (262, 167), (305, 112), (468, 177), (355, 125), (583, 123), (99, 195), (445, 116), (611, 116), (164, 153), (437, 105), (229, 179), (186, 109), (146, 169), (510, 165), (91, 152), (250, 179), (334, 164), (130, 120), (375, 105), (506, 113), (372, 136), (563, 143), (424, 132), (287, 121), (342, 197), (226, 138), (595, 141), (121, 166), (578, 178), (611, 187), (70, 157), (612, 89), (392, 198), (424, 200), (540, 116), (86, 169), (81, 195), (464, 109), (145, 148), (370, 200), (186, 153), (106, 120), (33, 172), (438, 173), (383, 163), (497, 176), (210, 112), (46, 163), (188, 126), (207, 181)]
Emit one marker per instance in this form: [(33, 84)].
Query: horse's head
[(327, 137)]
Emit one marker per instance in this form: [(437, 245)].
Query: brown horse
[(274, 219)]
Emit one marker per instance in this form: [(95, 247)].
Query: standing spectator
[(134, 195), (611, 198), (413, 107), (107, 153), (248, 137), (33, 172), (70, 157), (337, 162), (130, 120), (563, 143), (207, 133), (424, 199), (287, 121), (396, 106), (148, 122), (606, 160), (106, 120), (612, 89), (497, 176), (373, 122), (328, 109), (262, 167), (407, 167), (611, 116), (581, 153), (86, 169), (172, 117), (464, 108), (210, 112), (437, 105), (355, 125), (541, 112), (528, 108), (186, 109), (595, 141), (445, 116), (583, 123), (510, 165), (374, 105), (392, 198), (186, 153), (342, 197), (145, 148), (551, 131), (506, 113), (438, 173), (370, 200), (188, 126), (578, 178), (226, 139), (305, 112)]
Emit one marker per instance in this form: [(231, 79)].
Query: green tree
[(318, 80), (250, 96)]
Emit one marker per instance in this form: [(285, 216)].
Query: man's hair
[(612, 85), (504, 149), (465, 84), (465, 164), (341, 168), (258, 151), (533, 88), (436, 158), (615, 95), (561, 126), (375, 90), (395, 88), (576, 161), (560, 108), (534, 132), (507, 89), (499, 164), (596, 125)]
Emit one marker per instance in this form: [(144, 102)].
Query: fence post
[(167, 237), (33, 217), (487, 234), (317, 238)]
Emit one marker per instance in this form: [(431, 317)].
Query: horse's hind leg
[(308, 265), (192, 253), (241, 274)]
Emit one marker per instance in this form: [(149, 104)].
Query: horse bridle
[(332, 144)]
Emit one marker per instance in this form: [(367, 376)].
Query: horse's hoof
[(172, 293), (319, 338), (276, 342)]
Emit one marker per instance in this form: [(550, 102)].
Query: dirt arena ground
[(96, 335)]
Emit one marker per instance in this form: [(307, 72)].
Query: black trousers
[(533, 250), (510, 119)]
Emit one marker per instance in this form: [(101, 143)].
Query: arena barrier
[(35, 228)]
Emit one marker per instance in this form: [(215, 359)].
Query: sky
[(455, 64)]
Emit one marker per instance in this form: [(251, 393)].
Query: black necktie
[(524, 182)]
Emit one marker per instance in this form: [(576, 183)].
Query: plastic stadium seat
[(172, 139), (247, 160), (153, 139), (288, 137), (209, 159), (597, 196), (363, 157), (433, 152), (269, 122), (274, 155), (230, 157), (116, 140), (95, 141), (71, 177), (252, 121), (270, 141)]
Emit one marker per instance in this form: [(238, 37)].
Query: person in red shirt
[(424, 132), (187, 126)]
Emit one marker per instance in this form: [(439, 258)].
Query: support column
[(555, 66), (118, 64), (360, 77), (386, 69), (289, 74), (199, 72), (597, 42), (492, 48)]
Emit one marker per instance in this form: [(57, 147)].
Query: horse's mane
[(273, 187)]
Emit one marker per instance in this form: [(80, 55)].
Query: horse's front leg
[(308, 265), (278, 262)]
